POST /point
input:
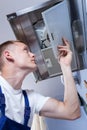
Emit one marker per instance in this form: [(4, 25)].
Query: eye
[(26, 49)]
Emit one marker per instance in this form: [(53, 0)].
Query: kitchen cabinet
[(42, 27)]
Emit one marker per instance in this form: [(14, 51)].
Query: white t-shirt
[(14, 101)]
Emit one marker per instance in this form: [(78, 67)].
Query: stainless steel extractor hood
[(42, 26)]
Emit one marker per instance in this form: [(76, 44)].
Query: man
[(16, 61)]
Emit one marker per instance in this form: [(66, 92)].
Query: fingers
[(62, 51), (65, 47), (65, 42)]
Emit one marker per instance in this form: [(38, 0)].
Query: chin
[(34, 68)]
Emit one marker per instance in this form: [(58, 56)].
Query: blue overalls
[(8, 124)]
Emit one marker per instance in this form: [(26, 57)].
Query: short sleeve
[(41, 100), (37, 100)]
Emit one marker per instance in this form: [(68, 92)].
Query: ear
[(8, 55)]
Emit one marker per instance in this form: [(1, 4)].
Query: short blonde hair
[(3, 46)]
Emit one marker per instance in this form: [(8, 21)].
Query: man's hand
[(64, 53)]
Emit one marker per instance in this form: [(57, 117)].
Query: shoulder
[(36, 99), (31, 92), (33, 95), (36, 95)]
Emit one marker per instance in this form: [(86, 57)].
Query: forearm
[(69, 84), (70, 93)]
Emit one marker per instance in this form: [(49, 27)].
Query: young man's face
[(23, 58)]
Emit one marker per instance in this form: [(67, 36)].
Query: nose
[(32, 54)]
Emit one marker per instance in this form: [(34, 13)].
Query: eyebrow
[(26, 47)]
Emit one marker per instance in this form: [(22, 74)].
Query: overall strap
[(27, 109), (2, 102)]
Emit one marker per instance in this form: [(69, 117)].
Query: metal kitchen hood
[(45, 4), (41, 26)]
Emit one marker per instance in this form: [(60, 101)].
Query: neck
[(14, 78)]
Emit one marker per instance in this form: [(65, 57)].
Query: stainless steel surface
[(33, 8), (27, 27)]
